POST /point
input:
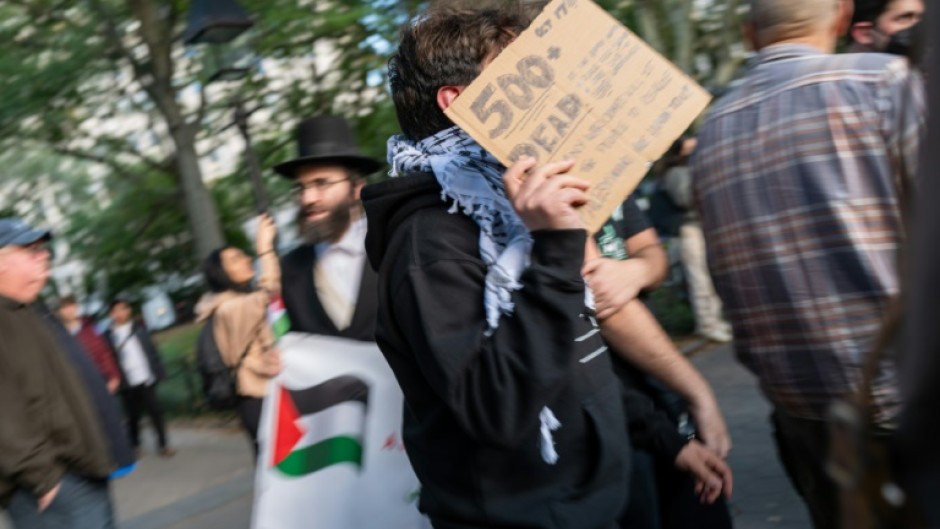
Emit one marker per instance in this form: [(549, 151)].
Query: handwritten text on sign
[(579, 85)]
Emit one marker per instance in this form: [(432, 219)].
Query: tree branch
[(117, 42), (683, 34), (649, 25)]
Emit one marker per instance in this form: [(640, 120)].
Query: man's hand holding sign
[(578, 107)]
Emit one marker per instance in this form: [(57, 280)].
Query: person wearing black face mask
[(875, 22), (910, 43)]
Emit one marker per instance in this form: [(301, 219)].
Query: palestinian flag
[(331, 458), (320, 426), (277, 317)]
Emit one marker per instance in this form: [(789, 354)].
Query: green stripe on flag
[(307, 460), (280, 326)]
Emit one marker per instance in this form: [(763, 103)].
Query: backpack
[(219, 383)]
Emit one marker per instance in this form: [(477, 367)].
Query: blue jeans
[(81, 503)]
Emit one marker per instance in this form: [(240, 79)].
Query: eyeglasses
[(318, 184)]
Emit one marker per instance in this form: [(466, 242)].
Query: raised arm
[(269, 277)]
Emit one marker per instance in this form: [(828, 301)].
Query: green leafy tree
[(110, 81), (701, 37), (139, 239)]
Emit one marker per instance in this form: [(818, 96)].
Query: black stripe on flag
[(330, 393)]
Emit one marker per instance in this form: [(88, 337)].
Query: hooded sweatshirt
[(473, 399)]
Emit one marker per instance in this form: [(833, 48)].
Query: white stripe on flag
[(346, 418)]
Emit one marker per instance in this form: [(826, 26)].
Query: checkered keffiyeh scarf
[(473, 179)]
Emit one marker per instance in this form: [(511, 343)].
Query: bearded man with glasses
[(327, 287)]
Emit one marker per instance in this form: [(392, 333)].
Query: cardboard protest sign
[(579, 85)]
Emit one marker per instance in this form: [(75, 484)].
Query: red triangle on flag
[(286, 430), (277, 303)]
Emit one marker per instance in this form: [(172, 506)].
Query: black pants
[(249, 411), (137, 401), (803, 447), (663, 497)]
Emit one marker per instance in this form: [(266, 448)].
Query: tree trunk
[(649, 26), (156, 31), (683, 34), (728, 62), (200, 208)]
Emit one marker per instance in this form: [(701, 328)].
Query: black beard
[(329, 229)]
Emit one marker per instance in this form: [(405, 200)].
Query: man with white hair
[(800, 174), (54, 457)]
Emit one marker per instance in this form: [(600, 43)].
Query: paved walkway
[(763, 497), (208, 484), (211, 469)]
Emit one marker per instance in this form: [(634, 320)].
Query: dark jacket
[(109, 417), (304, 310), (98, 349), (471, 420), (150, 351), (49, 425)]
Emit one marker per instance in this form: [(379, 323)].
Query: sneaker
[(166, 452), (716, 335)]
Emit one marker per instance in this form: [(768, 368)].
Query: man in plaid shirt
[(799, 175)]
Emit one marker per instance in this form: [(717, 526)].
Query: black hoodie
[(471, 419)]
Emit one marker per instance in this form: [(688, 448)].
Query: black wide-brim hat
[(327, 140)]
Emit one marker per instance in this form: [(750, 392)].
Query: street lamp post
[(251, 159), (218, 23)]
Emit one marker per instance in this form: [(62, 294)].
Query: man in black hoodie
[(513, 415)]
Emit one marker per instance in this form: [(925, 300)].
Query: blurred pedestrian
[(668, 461), (876, 22), (706, 305), (95, 345), (239, 317), (800, 175), (54, 457), (919, 460), (328, 287), (141, 370), (102, 397)]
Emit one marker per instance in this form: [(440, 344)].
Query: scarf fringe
[(550, 423)]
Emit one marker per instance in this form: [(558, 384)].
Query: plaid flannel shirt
[(798, 175)]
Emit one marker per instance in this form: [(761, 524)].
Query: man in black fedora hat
[(327, 287)]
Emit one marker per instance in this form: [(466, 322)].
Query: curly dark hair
[(446, 46)]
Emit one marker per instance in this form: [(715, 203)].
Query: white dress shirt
[(131, 354), (342, 261)]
